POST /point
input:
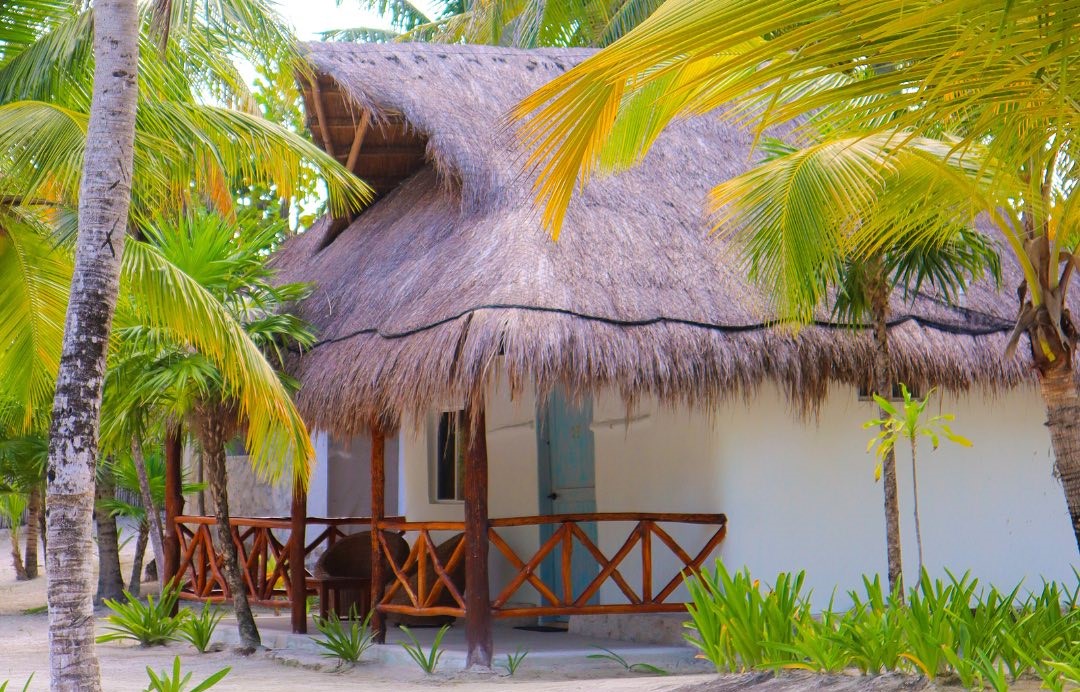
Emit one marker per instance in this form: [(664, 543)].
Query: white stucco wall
[(798, 495), (802, 495)]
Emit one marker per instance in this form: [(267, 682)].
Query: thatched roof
[(449, 276)]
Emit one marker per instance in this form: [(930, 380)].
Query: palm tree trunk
[(214, 437), (33, 519), (1062, 400), (915, 502), (135, 582), (883, 384), (110, 581), (16, 555), (104, 198), (153, 517)]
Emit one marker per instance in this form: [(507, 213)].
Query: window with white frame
[(448, 463)]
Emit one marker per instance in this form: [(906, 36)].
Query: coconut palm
[(885, 78), (786, 181), (228, 262), (50, 150), (23, 452), (567, 23)]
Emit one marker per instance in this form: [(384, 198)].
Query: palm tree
[(884, 78), (41, 143), (503, 22), (23, 453), (228, 262), (790, 179)]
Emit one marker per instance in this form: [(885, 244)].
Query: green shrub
[(148, 623), (947, 627), (514, 660), (739, 628), (609, 655), (345, 643), (197, 630), (430, 660), (173, 681)]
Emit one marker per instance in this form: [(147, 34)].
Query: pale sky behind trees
[(310, 17)]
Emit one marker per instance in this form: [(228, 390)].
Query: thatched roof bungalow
[(456, 269), (632, 355)]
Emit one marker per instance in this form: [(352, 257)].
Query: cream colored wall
[(798, 495), (802, 495)]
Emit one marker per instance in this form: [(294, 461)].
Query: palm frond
[(997, 73), (34, 281), (276, 435)]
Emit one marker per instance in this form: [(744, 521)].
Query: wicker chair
[(342, 574)]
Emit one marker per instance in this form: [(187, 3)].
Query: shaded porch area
[(427, 581)]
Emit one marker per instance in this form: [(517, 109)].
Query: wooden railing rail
[(424, 578), (431, 577), (263, 556)]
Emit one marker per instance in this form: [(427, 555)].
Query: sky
[(309, 17)]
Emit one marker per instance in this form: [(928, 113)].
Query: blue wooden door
[(567, 482)]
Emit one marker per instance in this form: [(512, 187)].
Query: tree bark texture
[(104, 198), (16, 554), (174, 501), (1062, 400), (883, 385), (214, 436), (135, 581), (153, 518), (477, 589), (110, 581), (33, 533)]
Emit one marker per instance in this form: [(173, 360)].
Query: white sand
[(24, 651)]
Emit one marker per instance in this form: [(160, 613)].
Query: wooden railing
[(262, 544), (429, 587)]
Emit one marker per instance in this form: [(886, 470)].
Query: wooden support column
[(174, 501), (477, 589), (297, 546), (378, 512)]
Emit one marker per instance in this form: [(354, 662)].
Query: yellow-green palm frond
[(277, 438), (800, 215), (176, 144), (34, 280), (1002, 69)]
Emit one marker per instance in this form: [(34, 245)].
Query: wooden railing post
[(297, 572), (378, 510), (477, 597), (174, 502)]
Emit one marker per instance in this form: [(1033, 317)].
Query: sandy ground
[(24, 651)]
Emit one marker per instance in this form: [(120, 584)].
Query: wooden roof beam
[(358, 139), (320, 115)]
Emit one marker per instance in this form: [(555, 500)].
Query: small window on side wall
[(449, 471), (897, 394)]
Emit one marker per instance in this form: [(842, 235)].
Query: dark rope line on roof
[(725, 328)]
